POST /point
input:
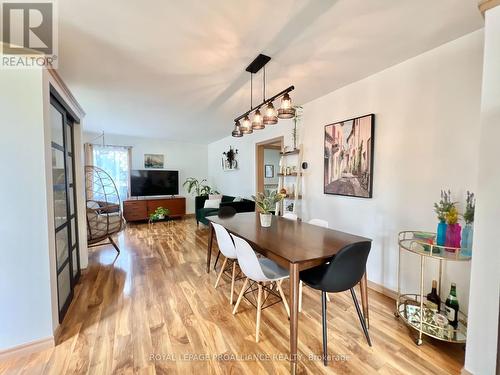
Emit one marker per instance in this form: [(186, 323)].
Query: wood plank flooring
[(154, 310)]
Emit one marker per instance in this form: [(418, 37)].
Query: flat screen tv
[(149, 183)]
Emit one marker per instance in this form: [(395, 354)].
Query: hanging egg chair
[(104, 212)]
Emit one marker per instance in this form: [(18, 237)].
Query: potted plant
[(193, 185), (159, 214), (267, 203), (442, 208), (468, 231)]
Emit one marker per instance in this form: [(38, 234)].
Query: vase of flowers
[(468, 231), (453, 229), (267, 203), (442, 208)]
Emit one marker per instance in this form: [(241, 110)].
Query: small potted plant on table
[(267, 203)]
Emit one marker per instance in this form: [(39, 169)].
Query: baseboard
[(383, 290), (28, 348), (187, 216)]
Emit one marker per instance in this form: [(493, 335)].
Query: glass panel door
[(66, 229)]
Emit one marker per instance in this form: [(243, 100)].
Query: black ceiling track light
[(263, 113)]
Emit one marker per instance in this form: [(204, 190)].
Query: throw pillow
[(215, 196), (212, 203), (238, 199)]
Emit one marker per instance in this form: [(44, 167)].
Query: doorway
[(65, 216), (267, 155)]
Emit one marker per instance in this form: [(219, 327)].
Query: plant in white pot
[(267, 203)]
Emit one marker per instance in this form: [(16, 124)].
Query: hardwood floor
[(153, 309)]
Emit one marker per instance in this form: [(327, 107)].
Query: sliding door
[(66, 226)]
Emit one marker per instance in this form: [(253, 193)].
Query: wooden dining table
[(295, 245)]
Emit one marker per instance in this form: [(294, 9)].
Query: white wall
[(188, 158), (482, 351), (426, 139), (25, 289)]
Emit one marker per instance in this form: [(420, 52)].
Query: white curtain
[(114, 160)]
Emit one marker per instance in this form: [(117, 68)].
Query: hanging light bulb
[(246, 126), (237, 130), (257, 121), (286, 110), (270, 117)]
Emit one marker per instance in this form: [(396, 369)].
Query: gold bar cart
[(410, 306)]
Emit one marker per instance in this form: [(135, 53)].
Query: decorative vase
[(467, 235), (453, 236), (161, 217), (266, 219), (441, 233)]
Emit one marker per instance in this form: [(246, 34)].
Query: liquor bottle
[(433, 297), (451, 306)]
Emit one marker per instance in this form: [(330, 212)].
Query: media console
[(140, 209)]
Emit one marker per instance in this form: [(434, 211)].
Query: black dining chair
[(342, 273), (224, 211)]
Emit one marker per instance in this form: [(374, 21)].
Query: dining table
[(295, 245)]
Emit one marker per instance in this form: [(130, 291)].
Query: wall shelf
[(293, 152)]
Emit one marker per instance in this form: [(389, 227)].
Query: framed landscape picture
[(153, 161), (348, 155)]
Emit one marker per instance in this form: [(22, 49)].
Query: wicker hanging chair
[(104, 213)]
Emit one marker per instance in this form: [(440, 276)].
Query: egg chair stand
[(104, 213)]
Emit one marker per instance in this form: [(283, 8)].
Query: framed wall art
[(348, 157)]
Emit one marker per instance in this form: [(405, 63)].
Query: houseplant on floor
[(159, 214), (267, 203)]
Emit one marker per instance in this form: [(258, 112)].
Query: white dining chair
[(290, 216), (319, 222), (259, 271), (227, 249)]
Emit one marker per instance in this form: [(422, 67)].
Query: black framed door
[(65, 217)]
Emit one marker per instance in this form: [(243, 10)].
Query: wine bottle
[(451, 306), (433, 298)]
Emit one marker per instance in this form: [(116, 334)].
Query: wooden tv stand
[(140, 209)]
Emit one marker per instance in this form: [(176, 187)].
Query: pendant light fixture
[(237, 130), (286, 110), (246, 126), (270, 115), (257, 121)]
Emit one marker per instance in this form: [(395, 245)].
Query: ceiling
[(176, 69)]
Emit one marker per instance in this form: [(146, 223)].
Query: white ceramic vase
[(266, 219)]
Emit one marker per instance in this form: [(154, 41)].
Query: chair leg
[(300, 296), (282, 295), (259, 310), (216, 260), (221, 272), (240, 296), (232, 280), (325, 327), (114, 245), (360, 316)]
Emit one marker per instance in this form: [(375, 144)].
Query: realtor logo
[(28, 29)]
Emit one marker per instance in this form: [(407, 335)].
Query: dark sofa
[(201, 213)]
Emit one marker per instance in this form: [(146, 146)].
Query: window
[(114, 160)]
